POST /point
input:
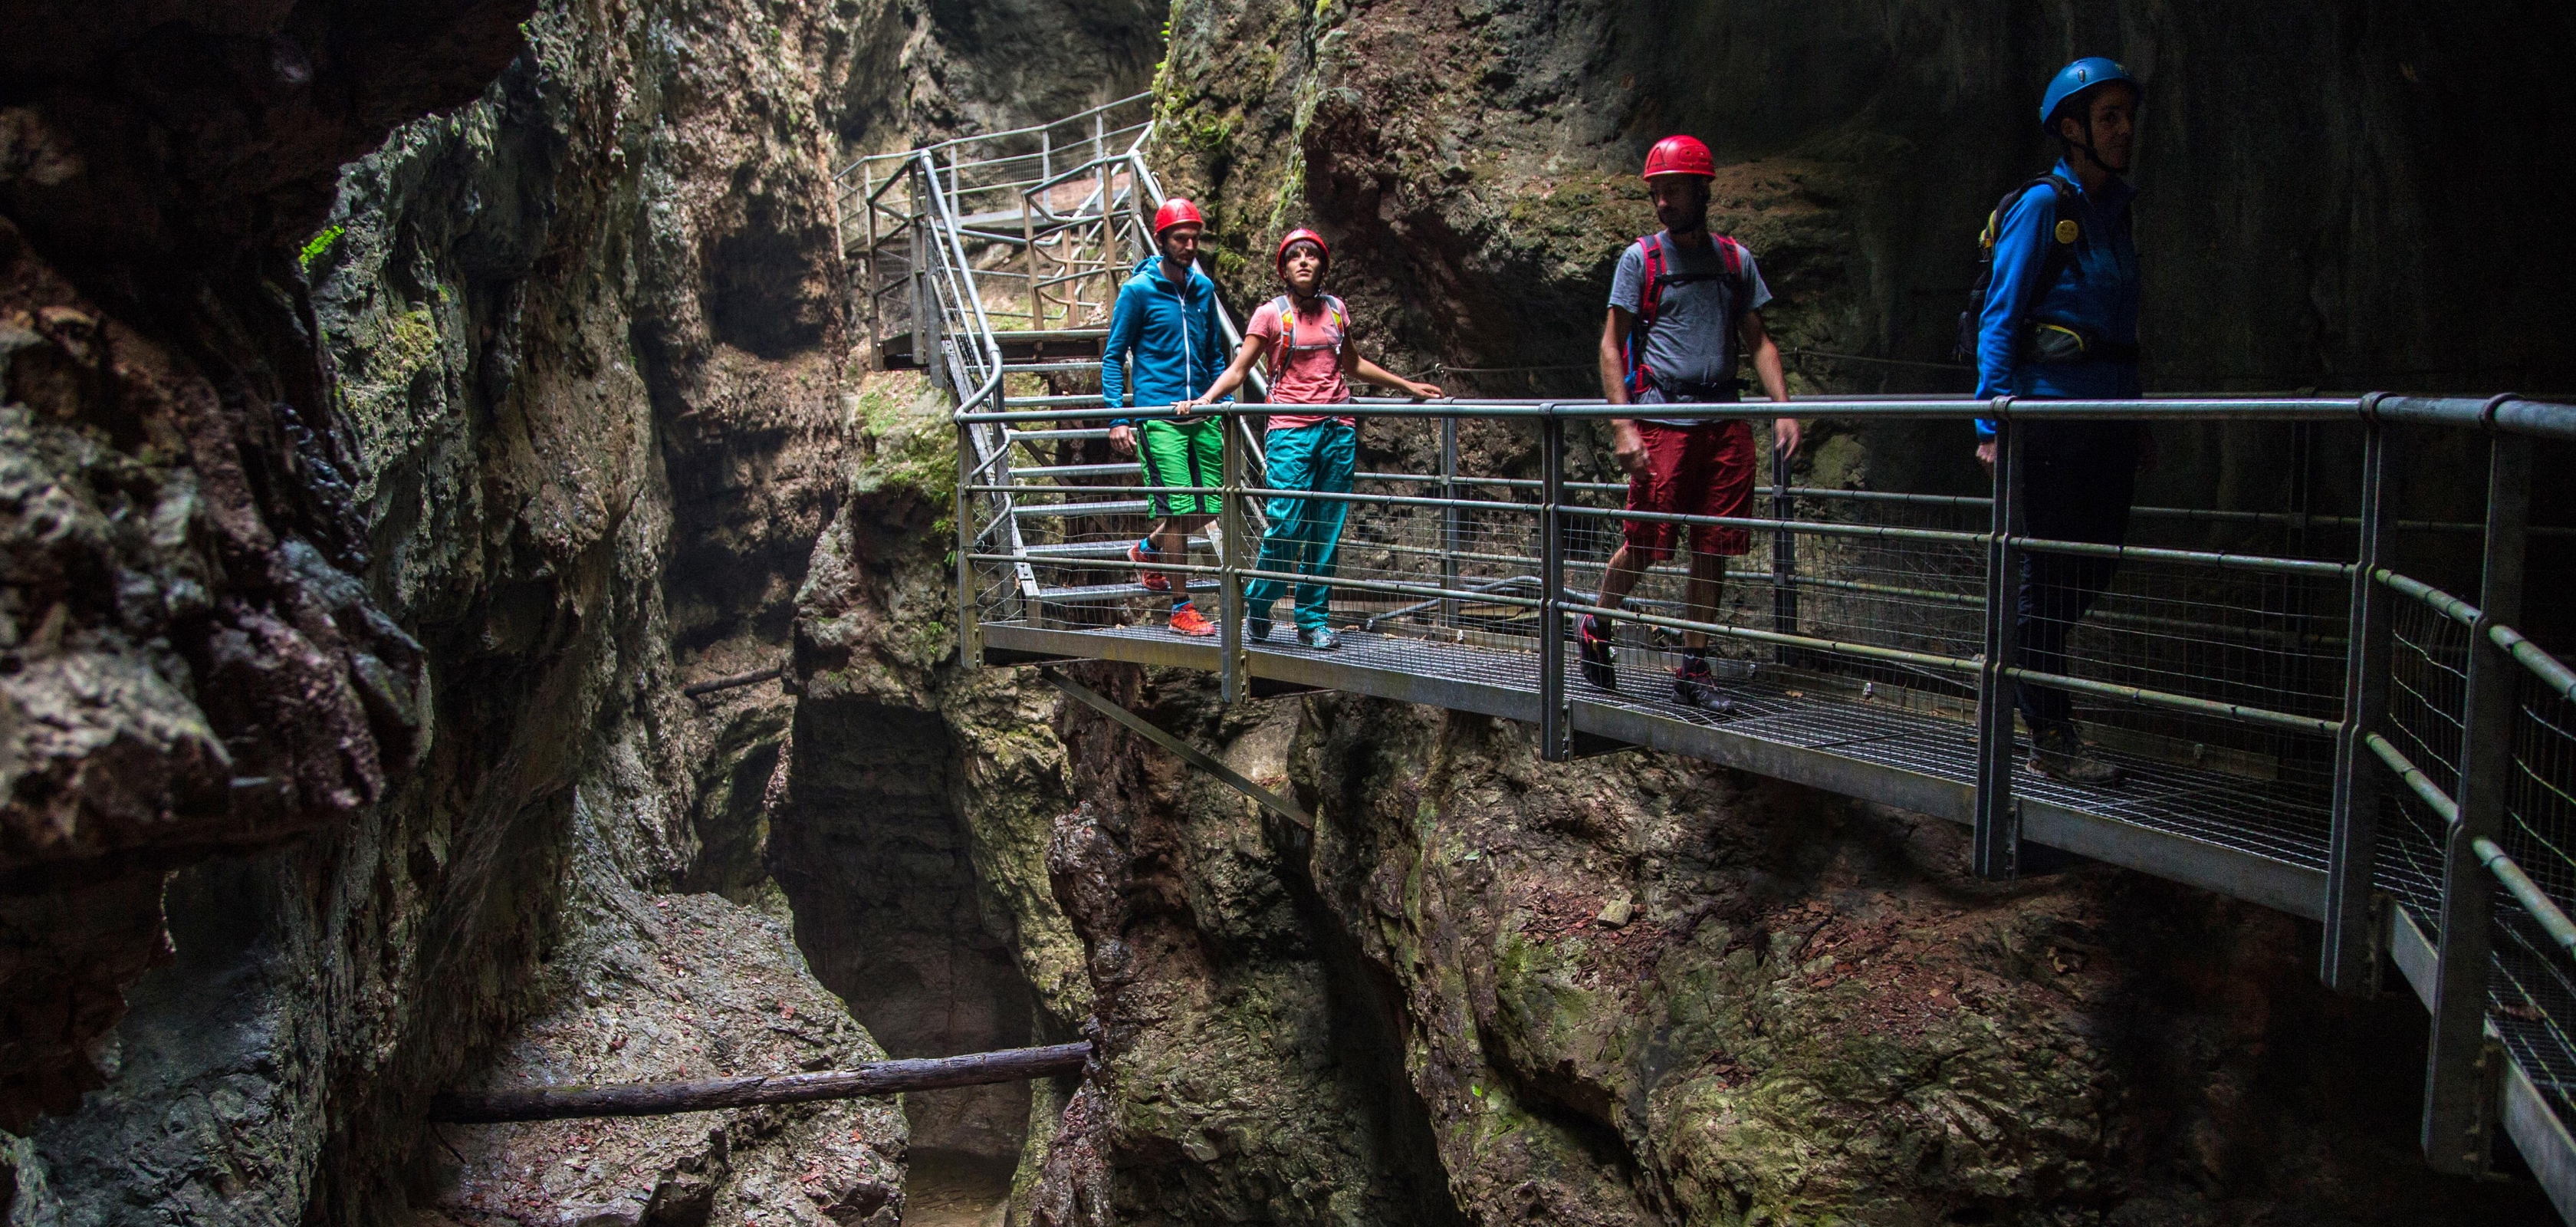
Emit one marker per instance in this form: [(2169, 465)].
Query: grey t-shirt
[(1691, 342)]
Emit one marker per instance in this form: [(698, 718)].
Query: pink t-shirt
[(1307, 368)]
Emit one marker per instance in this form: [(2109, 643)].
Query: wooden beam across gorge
[(663, 1098)]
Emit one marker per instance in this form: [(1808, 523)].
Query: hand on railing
[(1122, 439)]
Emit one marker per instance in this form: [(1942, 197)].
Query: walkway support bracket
[(2459, 1082), (2350, 960), (1997, 832), (1186, 752)]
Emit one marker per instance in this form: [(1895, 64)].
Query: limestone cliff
[(561, 405), (400, 404)]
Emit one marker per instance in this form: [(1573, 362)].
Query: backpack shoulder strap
[(1650, 287), (1734, 255)]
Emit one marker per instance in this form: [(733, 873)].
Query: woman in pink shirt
[(1306, 335)]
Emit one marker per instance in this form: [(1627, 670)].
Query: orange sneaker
[(1154, 581), (1187, 620)]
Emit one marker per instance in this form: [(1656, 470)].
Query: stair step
[(1054, 344), (1111, 592), (1078, 400), (1097, 549), (1123, 507), (1052, 368), (1095, 433), (1072, 470)]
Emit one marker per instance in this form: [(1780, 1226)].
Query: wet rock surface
[(1813, 1011), (360, 534), (695, 988)]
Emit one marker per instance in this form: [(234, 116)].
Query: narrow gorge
[(417, 422)]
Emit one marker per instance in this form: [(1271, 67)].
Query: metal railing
[(2303, 725), (2295, 696)]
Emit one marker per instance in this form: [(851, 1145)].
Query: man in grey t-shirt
[(1697, 297)]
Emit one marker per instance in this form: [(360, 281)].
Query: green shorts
[(1182, 454)]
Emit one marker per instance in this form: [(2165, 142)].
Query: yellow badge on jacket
[(2066, 231)]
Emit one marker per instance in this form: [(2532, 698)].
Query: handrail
[(1030, 130)]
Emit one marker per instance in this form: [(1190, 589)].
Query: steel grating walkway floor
[(2250, 838)]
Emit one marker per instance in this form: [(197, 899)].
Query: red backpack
[(1650, 300)]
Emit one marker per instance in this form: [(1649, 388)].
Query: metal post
[(1998, 826), (1784, 559), (1555, 725), (2459, 1081), (1029, 257), (1235, 669), (925, 333), (970, 648), (1451, 525), (2350, 964), (875, 270)]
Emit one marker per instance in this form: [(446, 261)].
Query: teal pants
[(1303, 531)]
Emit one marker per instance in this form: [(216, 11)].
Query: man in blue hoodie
[(1166, 320), (2060, 322)]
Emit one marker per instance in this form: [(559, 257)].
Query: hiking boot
[(1593, 650), (1695, 687), (2058, 754), (1320, 638), (1187, 620), (1154, 581)]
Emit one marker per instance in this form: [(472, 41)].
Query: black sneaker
[(1695, 687), (1592, 647), (2057, 753)]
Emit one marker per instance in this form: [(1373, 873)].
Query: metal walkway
[(2302, 727)]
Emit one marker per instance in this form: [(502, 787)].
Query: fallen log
[(697, 690), (661, 1098)]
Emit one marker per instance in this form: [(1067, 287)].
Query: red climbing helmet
[(1302, 235), (1680, 155), (1178, 211)]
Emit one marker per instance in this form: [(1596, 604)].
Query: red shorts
[(1703, 470)]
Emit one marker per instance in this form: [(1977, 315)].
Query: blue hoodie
[(1173, 333), (2097, 292)]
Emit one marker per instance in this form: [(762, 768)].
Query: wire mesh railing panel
[(2540, 804), (2536, 988), (2425, 717)]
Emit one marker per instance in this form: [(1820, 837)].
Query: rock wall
[(1645, 990), (361, 532), (194, 666), (571, 366)]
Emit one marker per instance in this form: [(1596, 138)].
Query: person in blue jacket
[(1165, 319), (2060, 321)]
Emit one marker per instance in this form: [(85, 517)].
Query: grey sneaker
[(1320, 638), (2058, 754), (1257, 629), (1695, 687)]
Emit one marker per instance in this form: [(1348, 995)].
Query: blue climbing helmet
[(2090, 73)]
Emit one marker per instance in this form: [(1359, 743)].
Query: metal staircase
[(992, 263)]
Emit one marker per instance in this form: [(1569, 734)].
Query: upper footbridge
[(2301, 724)]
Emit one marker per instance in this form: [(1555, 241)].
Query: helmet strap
[(2092, 153)]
